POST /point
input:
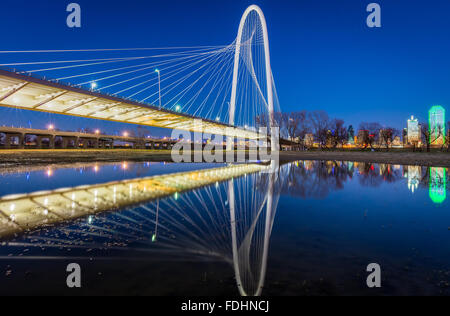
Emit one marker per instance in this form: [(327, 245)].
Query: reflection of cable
[(155, 235)]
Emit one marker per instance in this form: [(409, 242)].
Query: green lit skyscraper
[(437, 125)]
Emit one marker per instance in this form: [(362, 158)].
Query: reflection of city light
[(124, 166), (176, 195), (414, 175), (90, 219), (49, 173), (96, 169), (50, 127), (438, 185), (97, 131), (125, 134)]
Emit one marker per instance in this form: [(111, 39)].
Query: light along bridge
[(15, 138)]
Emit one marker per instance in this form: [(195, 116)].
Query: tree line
[(331, 133)]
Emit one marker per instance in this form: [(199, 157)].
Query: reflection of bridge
[(30, 211), (231, 220), (15, 137)]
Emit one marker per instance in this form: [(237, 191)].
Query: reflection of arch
[(241, 254), (268, 68)]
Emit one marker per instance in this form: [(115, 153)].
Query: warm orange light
[(49, 172)]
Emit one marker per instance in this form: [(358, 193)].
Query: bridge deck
[(30, 93)]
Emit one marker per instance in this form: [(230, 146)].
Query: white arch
[(270, 102)]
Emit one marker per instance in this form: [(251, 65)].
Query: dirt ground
[(15, 158)]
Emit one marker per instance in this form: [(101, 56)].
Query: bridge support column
[(84, 142), (21, 141), (51, 142), (7, 141), (65, 142), (39, 142), (96, 143)]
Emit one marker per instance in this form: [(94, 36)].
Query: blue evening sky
[(324, 57)]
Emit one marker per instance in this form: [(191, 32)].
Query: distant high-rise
[(437, 125), (351, 135), (413, 131)]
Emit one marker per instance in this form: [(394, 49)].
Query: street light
[(125, 134), (177, 108), (51, 127), (93, 85), (97, 131), (159, 86)]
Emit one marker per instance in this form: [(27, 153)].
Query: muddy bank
[(395, 158), (12, 159)]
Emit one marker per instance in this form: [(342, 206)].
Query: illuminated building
[(437, 125), (438, 185), (413, 131), (309, 140), (363, 135), (397, 142), (351, 135)]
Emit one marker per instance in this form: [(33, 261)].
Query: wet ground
[(328, 221)]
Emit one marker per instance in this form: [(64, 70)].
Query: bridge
[(221, 90), (15, 137)]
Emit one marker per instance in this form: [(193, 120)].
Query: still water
[(306, 228)]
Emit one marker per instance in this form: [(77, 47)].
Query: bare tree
[(338, 132), (262, 120), (372, 135), (320, 123), (430, 136), (295, 123), (387, 136)]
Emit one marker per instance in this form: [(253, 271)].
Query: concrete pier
[(15, 138)]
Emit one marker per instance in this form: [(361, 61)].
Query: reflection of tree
[(316, 179)]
